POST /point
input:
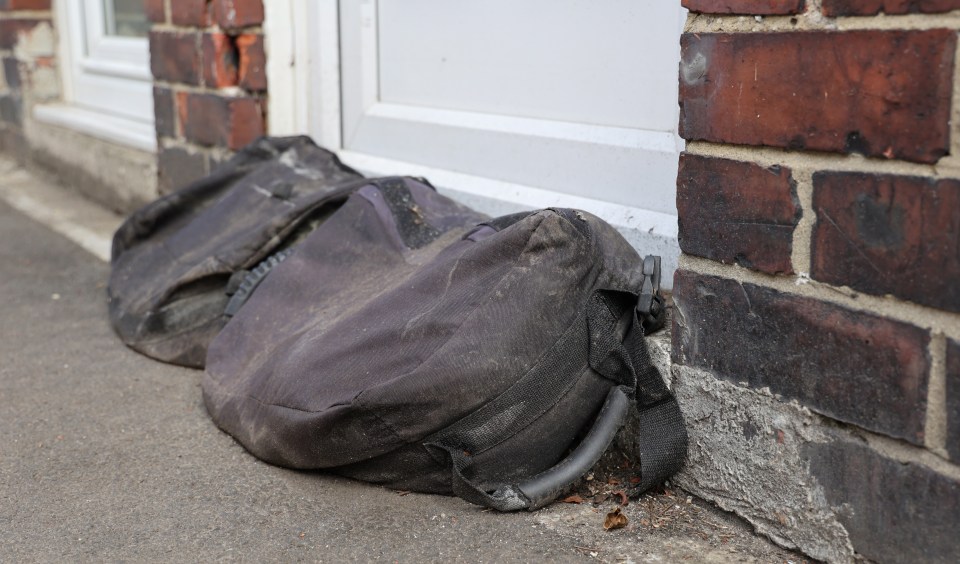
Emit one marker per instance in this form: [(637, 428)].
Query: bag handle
[(547, 485), (538, 491), (662, 442)]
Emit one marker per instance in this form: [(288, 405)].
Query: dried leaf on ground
[(615, 520), (624, 500), (572, 499)]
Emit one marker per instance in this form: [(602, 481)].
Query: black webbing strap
[(662, 441), (505, 497)]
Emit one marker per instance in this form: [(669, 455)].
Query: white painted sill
[(115, 129)]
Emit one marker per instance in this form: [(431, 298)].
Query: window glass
[(125, 18)]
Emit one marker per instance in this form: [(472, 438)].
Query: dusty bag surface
[(173, 259), (495, 364)]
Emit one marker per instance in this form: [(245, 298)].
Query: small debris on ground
[(615, 520)]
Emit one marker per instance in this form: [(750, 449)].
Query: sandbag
[(496, 362), (172, 260)]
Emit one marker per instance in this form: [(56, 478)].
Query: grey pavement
[(108, 455)]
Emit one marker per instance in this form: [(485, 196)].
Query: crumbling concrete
[(746, 455)]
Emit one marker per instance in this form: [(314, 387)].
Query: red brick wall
[(208, 62), (819, 206), (28, 72)]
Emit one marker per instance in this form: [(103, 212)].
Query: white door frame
[(303, 72)]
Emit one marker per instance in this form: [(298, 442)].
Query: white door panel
[(581, 61), (573, 96)]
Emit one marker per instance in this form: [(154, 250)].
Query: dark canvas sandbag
[(495, 364), (172, 260)]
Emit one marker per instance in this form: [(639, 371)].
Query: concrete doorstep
[(109, 455)]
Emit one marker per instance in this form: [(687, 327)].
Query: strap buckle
[(651, 310)]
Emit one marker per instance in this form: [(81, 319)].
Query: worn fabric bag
[(172, 260), (497, 364)]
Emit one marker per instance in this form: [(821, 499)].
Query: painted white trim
[(665, 141), (116, 129), (66, 47), (107, 84), (119, 69), (281, 65), (301, 38), (327, 106), (109, 48)]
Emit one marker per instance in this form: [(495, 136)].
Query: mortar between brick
[(217, 153), (954, 163), (813, 20), (253, 29), (949, 20), (809, 20), (802, 233), (228, 91), (802, 161), (27, 15), (901, 452), (921, 316), (935, 430)]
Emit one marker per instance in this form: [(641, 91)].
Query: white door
[(503, 104)]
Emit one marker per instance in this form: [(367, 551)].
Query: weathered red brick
[(11, 5), (178, 167), (174, 57), (163, 112), (749, 7), (219, 60), (852, 366), (233, 14), (230, 122), (189, 12), (893, 511), (10, 30), (253, 62), (953, 399), (879, 93), (155, 10), (873, 7), (887, 234), (737, 212)]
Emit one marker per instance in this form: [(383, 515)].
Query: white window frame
[(106, 80), (303, 41)]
